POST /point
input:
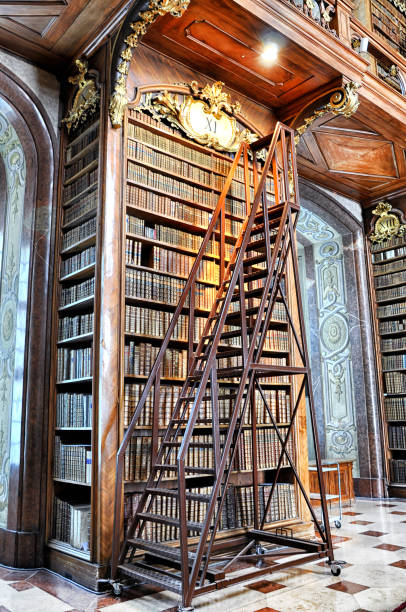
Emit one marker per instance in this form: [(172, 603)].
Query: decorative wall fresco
[(337, 384), (13, 158)]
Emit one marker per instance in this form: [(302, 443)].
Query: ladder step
[(191, 445), (188, 468), (221, 373), (151, 576), (165, 552), (167, 520), (307, 545), (198, 421), (231, 353), (174, 493)]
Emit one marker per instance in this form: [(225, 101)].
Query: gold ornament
[(205, 116), (86, 98), (388, 224), (156, 8), (343, 101)]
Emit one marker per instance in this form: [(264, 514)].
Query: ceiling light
[(270, 53)]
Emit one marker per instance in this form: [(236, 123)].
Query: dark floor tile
[(267, 610), (15, 575), (397, 512), (384, 505), (265, 586), (361, 610), (336, 539), (344, 586), (374, 534), (21, 585), (65, 591), (352, 513), (401, 563), (361, 522), (391, 547), (175, 609)]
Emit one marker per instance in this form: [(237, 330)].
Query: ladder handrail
[(155, 372)]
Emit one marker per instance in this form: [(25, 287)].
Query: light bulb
[(270, 53)]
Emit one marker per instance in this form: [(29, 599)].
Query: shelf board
[(397, 350), (82, 152), (76, 339), (73, 429), (392, 316), (86, 301), (398, 284), (81, 273), (392, 300), (72, 482), (389, 272), (72, 381), (395, 370), (396, 420), (78, 138), (81, 219), (79, 195), (81, 244), (394, 448), (163, 305), (68, 549), (394, 394), (398, 484), (170, 274), (399, 332), (169, 245)]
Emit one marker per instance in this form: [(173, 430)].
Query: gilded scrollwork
[(206, 115), (86, 99), (156, 8), (343, 101), (387, 225)]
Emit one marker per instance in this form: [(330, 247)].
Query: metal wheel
[(337, 524), (117, 589), (335, 570)]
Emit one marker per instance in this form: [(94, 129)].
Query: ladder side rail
[(244, 376), (155, 369), (310, 393)]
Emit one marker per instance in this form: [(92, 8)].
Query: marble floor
[(372, 541)]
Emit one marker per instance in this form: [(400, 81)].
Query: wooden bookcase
[(171, 185), (72, 408), (389, 279)]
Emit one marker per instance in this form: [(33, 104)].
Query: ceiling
[(49, 32)]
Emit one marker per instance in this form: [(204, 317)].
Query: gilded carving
[(86, 98), (387, 225), (156, 8), (343, 101)]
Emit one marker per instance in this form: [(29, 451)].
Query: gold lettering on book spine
[(156, 8)]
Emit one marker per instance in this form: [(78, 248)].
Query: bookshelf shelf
[(73, 482), (81, 172), (73, 429), (81, 219), (76, 339), (80, 245), (82, 273), (78, 304), (85, 379), (80, 195), (389, 280), (63, 547), (83, 152)]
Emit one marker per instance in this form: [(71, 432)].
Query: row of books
[(268, 449), (71, 524), (137, 459), (75, 188), (72, 461), (79, 209), (73, 363), (278, 401), (395, 382), (236, 361), (171, 165), (197, 156), (149, 322), (398, 470), (393, 362), (390, 279), (387, 294), (170, 261), (396, 325), (133, 252), (76, 292), (397, 436), (81, 163), (70, 327), (389, 267), (395, 408), (171, 235), (238, 509), (161, 288), (393, 344), (384, 255), (391, 310), (79, 233), (74, 409), (139, 359), (78, 261), (81, 143)]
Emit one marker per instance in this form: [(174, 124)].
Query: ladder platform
[(142, 574), (273, 538)]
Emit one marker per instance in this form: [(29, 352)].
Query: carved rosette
[(156, 8), (344, 101)]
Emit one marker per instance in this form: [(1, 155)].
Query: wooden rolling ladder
[(227, 365)]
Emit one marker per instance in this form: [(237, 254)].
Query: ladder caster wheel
[(335, 570), (322, 528), (337, 524), (117, 589)]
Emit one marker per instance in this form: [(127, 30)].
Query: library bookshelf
[(388, 265), (73, 407)]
